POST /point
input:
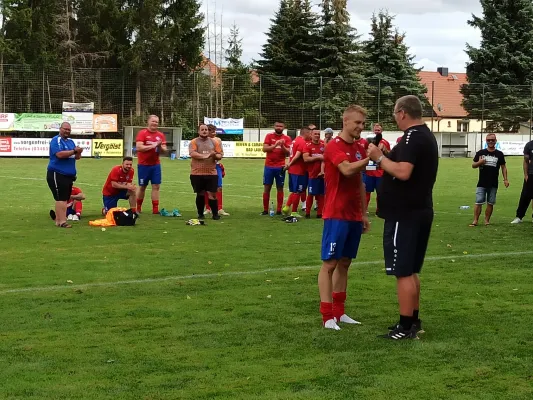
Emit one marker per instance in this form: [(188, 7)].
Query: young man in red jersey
[(314, 157), (277, 147), (119, 186), (344, 215), (374, 173), (297, 168), (150, 143)]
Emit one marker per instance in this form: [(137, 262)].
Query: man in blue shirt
[(61, 172)]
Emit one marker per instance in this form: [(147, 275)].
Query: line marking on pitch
[(239, 273)]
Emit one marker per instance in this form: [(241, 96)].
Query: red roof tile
[(447, 97)]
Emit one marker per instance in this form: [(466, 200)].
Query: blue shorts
[(316, 186), (149, 173), (70, 211), (271, 173), (112, 201), (219, 174), (297, 183), (340, 239), (484, 195), (371, 183)]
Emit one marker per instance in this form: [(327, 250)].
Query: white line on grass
[(240, 273)]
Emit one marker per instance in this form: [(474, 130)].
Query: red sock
[(78, 207), (279, 201), (266, 200), (367, 199), (309, 204), (320, 204), (219, 198), (338, 304), (134, 209), (155, 206), (303, 196), (295, 201), (139, 204), (206, 197), (326, 309)]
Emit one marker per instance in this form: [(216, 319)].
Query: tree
[(286, 59), (241, 99), (390, 67), (500, 65), (339, 63)]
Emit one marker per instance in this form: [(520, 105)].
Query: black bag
[(125, 218)]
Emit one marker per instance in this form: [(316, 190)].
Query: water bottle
[(271, 211), (464, 207)]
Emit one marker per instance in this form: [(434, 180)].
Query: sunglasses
[(491, 140)]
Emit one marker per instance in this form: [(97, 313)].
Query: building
[(443, 91)]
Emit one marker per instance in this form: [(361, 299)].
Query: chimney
[(443, 71)]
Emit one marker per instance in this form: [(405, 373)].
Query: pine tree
[(339, 63), (499, 72), (241, 100), (287, 58), (391, 69)]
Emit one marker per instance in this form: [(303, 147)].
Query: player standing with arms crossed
[(405, 201), (298, 178), (150, 143), (314, 158), (344, 215), (277, 147)]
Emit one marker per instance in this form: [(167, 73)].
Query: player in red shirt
[(399, 139), (119, 186), (74, 205), (297, 168), (277, 147), (150, 143), (314, 157), (344, 215), (374, 174)]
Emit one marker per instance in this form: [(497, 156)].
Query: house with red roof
[(444, 92)]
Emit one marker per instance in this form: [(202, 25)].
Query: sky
[(436, 30)]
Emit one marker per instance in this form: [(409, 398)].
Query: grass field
[(230, 310)]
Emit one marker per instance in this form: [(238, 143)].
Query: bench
[(454, 149)]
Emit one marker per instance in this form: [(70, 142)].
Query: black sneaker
[(201, 216), (53, 214), (216, 217), (264, 213), (398, 333), (417, 327)]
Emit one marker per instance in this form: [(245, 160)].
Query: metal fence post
[(530, 110), (379, 99), (320, 106), (482, 114), (260, 110)]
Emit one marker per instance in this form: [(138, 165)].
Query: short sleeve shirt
[(490, 171), (276, 158), (207, 166)]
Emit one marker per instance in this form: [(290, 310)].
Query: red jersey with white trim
[(276, 158), (343, 194), (362, 142), (150, 157), (371, 169), (314, 149), (299, 167), (118, 175)]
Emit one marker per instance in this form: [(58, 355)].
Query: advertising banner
[(35, 122), (509, 148), (249, 150), (227, 126), (36, 147), (108, 147), (80, 116), (105, 123), (7, 121)]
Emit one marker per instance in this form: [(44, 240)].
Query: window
[(462, 126)]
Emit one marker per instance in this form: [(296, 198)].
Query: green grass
[(238, 316)]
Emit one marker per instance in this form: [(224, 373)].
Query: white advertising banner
[(227, 126), (80, 116), (509, 148), (227, 147), (36, 147)]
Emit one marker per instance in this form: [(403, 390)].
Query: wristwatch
[(378, 161)]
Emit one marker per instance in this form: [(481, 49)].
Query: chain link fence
[(183, 99)]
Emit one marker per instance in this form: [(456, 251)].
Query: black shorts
[(204, 183), (60, 185), (405, 242)]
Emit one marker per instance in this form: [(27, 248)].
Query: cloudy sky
[(436, 30)]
